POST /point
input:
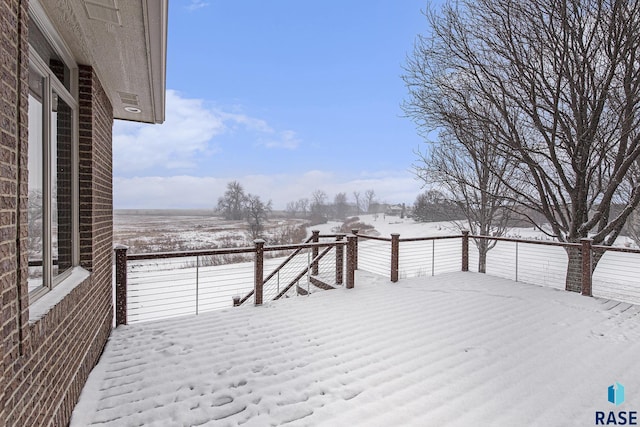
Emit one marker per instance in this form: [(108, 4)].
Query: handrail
[(528, 241), (302, 246), (380, 239), (409, 239), (302, 273), (428, 239), (505, 239), (308, 244), (615, 249), (182, 254), (289, 258), (246, 297), (298, 248)]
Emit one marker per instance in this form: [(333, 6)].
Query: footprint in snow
[(229, 410), (609, 335), (478, 351), (348, 394), (173, 349), (222, 400), (237, 384), (163, 346)]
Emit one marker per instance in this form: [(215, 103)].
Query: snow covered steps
[(319, 283)]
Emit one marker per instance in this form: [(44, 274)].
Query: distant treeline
[(165, 212)]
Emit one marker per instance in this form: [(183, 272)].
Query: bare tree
[(557, 85), (318, 203), (232, 204), (422, 211), (633, 227), (292, 209), (303, 206), (472, 174), (340, 205), (257, 213), (356, 196), (299, 207), (369, 200), (433, 205)]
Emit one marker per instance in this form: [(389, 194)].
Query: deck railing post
[(258, 278), (516, 261), (351, 260), (121, 284), (586, 266), (315, 234), (433, 258), (339, 259), (465, 250), (355, 259), (197, 281), (395, 256)]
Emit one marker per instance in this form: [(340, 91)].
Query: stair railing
[(310, 267)]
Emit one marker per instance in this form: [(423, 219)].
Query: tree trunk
[(573, 280), (483, 248), (482, 261)]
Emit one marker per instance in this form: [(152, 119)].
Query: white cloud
[(197, 4), (202, 192), (175, 144), (251, 123), (286, 139), (186, 137)]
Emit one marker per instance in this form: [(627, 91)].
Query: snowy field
[(166, 230), (457, 349)]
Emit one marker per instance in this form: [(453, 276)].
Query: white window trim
[(70, 97), (49, 299), (42, 21)]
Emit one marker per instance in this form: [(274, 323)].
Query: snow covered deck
[(459, 349)]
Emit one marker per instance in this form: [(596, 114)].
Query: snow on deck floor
[(461, 349)]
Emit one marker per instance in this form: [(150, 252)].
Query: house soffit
[(125, 41)]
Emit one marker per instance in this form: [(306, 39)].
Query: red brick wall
[(44, 364), (13, 192)]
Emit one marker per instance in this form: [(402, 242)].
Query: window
[(52, 189)]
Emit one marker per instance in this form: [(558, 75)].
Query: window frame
[(51, 84)]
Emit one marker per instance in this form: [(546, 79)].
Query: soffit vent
[(103, 10), (129, 98)]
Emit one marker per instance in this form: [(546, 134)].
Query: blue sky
[(285, 96)]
